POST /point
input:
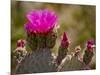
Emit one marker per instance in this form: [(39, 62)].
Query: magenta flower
[(90, 45), (64, 41), (41, 21)]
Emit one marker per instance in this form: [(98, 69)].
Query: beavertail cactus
[(41, 34), (71, 65), (37, 62)]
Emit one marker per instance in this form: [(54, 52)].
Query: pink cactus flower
[(41, 21), (64, 41)]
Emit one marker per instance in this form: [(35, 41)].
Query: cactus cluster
[(41, 38)]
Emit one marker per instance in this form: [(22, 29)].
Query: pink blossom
[(41, 21)]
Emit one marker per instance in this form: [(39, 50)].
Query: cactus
[(71, 65), (37, 62), (41, 38)]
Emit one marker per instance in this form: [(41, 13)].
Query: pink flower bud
[(90, 45), (87, 57), (21, 43), (64, 41)]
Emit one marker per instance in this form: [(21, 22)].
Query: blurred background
[(79, 21)]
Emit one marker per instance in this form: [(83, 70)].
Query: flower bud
[(88, 52), (21, 43), (20, 52), (64, 41), (63, 49), (90, 45)]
